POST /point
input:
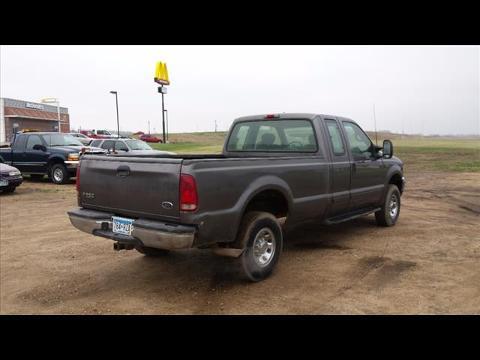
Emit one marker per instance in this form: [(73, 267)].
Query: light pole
[(163, 90), (166, 113), (55, 101), (118, 121)]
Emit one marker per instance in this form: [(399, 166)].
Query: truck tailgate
[(131, 186)]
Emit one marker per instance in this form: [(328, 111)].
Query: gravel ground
[(428, 263)]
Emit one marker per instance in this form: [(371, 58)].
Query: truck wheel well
[(52, 162), (271, 201), (396, 179)]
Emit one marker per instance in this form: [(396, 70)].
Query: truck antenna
[(375, 124)]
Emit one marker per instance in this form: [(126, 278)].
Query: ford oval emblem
[(167, 205)]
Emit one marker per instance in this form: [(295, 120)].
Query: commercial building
[(26, 115)]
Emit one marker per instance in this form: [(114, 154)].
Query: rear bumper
[(148, 233)]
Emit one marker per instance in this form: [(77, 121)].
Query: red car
[(150, 138)]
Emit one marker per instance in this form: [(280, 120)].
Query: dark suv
[(45, 153)]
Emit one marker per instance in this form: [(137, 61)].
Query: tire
[(390, 211), (261, 235), (148, 251), (59, 174)]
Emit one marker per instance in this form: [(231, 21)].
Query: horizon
[(426, 90)]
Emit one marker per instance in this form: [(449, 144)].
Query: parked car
[(10, 178), (46, 153), (97, 134), (84, 139), (276, 172), (133, 146), (150, 138)]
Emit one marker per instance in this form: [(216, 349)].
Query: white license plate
[(121, 225), (3, 182)]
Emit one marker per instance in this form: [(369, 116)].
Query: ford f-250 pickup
[(276, 171), (45, 153)]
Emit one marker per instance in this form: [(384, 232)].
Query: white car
[(84, 139), (133, 146)]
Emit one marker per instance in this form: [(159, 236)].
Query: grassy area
[(419, 153)]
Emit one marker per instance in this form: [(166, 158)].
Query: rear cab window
[(295, 135)]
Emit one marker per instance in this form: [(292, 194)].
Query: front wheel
[(390, 211), (261, 235), (59, 174)]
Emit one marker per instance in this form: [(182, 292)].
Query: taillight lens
[(188, 193)]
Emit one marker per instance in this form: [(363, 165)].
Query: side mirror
[(387, 149), (39, 147)]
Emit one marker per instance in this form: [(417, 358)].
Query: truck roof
[(286, 116), (40, 132)]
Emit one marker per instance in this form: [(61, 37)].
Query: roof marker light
[(271, 116)]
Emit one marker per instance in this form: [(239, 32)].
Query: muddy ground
[(429, 263)]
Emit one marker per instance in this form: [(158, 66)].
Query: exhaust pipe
[(119, 246)]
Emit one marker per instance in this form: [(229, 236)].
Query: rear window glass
[(273, 135), (95, 143)]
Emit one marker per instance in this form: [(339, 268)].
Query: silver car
[(132, 146), (84, 139)]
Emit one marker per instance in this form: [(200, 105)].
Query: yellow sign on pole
[(161, 74)]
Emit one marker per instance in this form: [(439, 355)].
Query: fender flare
[(394, 170), (267, 182), (54, 158)]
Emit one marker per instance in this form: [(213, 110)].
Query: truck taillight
[(188, 193), (272, 116)]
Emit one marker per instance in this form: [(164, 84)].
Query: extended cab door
[(18, 150), (368, 171), (34, 159), (340, 168)]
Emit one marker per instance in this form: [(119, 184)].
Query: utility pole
[(166, 117), (118, 121), (375, 124), (215, 125)]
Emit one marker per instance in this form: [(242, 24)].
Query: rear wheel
[(59, 174), (149, 251), (390, 211), (261, 235)]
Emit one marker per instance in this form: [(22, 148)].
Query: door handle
[(123, 171)]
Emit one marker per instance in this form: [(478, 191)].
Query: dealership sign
[(161, 74), (34, 106)]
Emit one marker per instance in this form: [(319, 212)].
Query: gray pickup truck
[(276, 171)]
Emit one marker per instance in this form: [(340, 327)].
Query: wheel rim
[(264, 247), (393, 206), (58, 175)]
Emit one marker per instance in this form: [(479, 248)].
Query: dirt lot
[(429, 263)]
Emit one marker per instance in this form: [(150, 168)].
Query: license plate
[(122, 226), (3, 182)]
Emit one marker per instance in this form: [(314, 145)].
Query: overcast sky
[(417, 89)]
